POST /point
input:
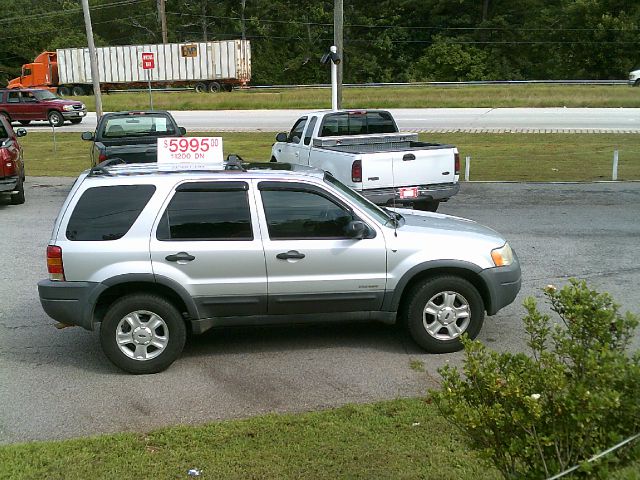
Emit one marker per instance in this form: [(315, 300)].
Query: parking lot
[(58, 384)]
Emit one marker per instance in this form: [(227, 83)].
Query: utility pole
[(92, 56), (243, 5), (338, 41), (163, 20)]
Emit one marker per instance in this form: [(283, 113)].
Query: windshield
[(138, 125), (44, 95), (369, 207)]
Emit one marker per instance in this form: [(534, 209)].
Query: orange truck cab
[(42, 73)]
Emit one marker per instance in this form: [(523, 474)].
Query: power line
[(121, 3)]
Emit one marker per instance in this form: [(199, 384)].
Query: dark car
[(11, 162), (27, 104)]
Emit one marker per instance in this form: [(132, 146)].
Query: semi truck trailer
[(204, 66)]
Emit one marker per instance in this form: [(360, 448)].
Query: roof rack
[(101, 169)]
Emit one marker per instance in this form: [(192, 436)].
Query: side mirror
[(183, 131), (21, 132), (356, 229), (281, 137), (87, 135)]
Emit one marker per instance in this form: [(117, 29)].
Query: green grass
[(401, 439), (383, 97), (515, 156)]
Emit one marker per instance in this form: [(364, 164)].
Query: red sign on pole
[(148, 61)]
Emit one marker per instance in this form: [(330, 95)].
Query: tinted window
[(309, 132), (297, 130), (301, 214), (207, 215), (13, 97), (138, 125), (107, 213), (357, 123)]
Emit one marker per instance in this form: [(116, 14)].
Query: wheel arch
[(396, 300), (121, 285)]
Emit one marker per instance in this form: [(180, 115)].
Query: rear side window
[(107, 213), (206, 213), (357, 123)]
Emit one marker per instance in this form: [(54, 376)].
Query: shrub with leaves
[(576, 395)]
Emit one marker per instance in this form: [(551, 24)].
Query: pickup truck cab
[(25, 105), (131, 136), (11, 162), (364, 150), (634, 77)]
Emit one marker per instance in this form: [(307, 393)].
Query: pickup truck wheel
[(200, 87), (637, 83), (440, 310), (18, 197), (427, 205), (55, 118), (142, 333)]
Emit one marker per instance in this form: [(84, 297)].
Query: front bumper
[(8, 184), (387, 196), (503, 285), (68, 115), (69, 302)]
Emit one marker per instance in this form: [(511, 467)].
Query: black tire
[(18, 197), (200, 87), (75, 121), (214, 87), (142, 309), (78, 91), (440, 309), (24, 122), (227, 87), (427, 205), (64, 91), (55, 118), (637, 83)]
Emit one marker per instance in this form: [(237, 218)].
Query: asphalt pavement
[(57, 384)]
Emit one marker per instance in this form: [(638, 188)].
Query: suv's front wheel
[(142, 333), (441, 309)]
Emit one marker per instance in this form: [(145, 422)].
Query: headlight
[(502, 256), (67, 108)]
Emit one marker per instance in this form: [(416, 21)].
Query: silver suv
[(152, 254)]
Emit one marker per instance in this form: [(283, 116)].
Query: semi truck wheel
[(214, 87), (55, 118), (200, 87), (78, 91), (64, 91)]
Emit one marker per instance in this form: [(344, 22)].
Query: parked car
[(364, 150), (149, 254), (131, 136), (11, 162), (25, 105)]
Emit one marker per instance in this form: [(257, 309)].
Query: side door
[(307, 142), (15, 107), (312, 266), (207, 239), (34, 109), (290, 150)]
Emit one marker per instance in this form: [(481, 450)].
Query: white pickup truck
[(364, 150)]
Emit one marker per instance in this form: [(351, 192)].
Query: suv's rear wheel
[(440, 310), (55, 118), (18, 197), (142, 333)]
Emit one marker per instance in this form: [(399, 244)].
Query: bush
[(575, 396)]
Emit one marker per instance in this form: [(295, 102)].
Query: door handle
[(180, 257), (291, 254)]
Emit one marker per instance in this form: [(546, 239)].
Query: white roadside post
[(467, 167), (614, 174), (334, 79)]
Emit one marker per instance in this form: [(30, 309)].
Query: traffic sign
[(148, 61)]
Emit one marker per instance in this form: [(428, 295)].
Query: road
[(576, 120), (57, 383)]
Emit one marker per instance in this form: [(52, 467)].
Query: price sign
[(148, 61), (190, 152)]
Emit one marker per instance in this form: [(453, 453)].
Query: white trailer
[(205, 66)]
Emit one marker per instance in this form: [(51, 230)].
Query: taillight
[(356, 171), (54, 263), (457, 163), (102, 157), (7, 165)]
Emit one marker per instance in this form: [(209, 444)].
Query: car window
[(298, 214), (139, 125), (357, 123), (207, 212), (107, 213), (27, 97), (13, 97), (309, 132), (297, 130)]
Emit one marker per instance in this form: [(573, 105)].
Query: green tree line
[(384, 40)]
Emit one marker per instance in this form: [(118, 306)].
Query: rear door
[(208, 240)]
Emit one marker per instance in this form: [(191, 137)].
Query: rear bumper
[(69, 302), (439, 192), (8, 184), (503, 285)]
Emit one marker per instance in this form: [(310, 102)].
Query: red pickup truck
[(11, 162), (26, 104)]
